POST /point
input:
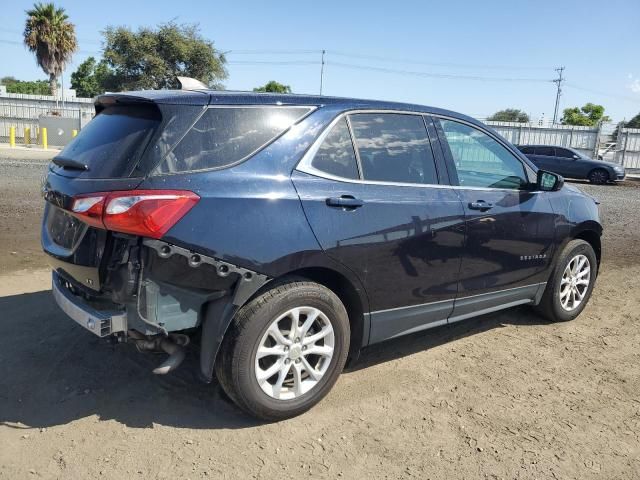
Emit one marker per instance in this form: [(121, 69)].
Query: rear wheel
[(284, 350), (571, 283), (598, 176)]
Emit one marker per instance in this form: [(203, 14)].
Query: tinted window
[(564, 153), (526, 150), (111, 144), (546, 151), (224, 136), (393, 148), (336, 156), (480, 160)]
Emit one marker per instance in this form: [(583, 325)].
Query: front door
[(509, 227)]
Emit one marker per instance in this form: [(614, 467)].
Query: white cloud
[(634, 86)]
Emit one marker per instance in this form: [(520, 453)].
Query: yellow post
[(12, 136), (27, 135), (43, 134), (74, 133)]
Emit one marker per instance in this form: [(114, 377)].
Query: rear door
[(398, 227), (509, 228)]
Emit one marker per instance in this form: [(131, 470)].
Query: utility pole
[(322, 71), (558, 81)]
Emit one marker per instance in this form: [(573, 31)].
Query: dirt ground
[(504, 396)]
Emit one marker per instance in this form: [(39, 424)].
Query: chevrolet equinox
[(278, 235)]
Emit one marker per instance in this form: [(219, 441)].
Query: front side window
[(393, 147), (480, 160), (335, 155), (224, 136), (526, 150)]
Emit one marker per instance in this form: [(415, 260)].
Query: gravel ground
[(503, 396)]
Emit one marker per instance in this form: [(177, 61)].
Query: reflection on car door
[(509, 228)]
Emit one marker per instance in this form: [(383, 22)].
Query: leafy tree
[(90, 77), (273, 87), (509, 115), (634, 122), (590, 115), (152, 58), (52, 38), (34, 87)]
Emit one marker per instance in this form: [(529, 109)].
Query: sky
[(475, 57)]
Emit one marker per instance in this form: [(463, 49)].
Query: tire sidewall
[(247, 346), (573, 249)]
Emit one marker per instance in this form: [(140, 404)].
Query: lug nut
[(304, 347), (297, 360), (297, 340), (287, 361), (286, 348)]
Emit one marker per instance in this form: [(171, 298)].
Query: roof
[(226, 97)]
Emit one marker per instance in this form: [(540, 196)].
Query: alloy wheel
[(575, 282), (294, 353)]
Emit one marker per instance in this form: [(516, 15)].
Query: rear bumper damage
[(155, 290)]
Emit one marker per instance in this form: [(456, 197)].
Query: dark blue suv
[(280, 234)]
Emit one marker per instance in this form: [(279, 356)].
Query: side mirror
[(548, 181), (576, 157)]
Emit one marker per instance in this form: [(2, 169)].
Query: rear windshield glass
[(113, 141), (226, 135)]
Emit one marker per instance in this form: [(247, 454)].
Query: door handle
[(345, 201), (480, 205)]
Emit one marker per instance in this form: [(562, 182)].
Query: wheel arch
[(352, 296), (592, 237)]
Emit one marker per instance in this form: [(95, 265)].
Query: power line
[(449, 76), (434, 64), (275, 62), (597, 92)]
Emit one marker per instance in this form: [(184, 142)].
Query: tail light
[(148, 213)]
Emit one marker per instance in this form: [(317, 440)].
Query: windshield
[(111, 144)]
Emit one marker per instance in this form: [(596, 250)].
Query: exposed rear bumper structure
[(100, 322)]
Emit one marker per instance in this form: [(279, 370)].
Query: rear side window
[(564, 153), (394, 147), (546, 151), (112, 143), (526, 150), (336, 156), (224, 136)]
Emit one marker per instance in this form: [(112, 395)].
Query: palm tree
[(49, 34)]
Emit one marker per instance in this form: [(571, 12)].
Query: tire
[(551, 305), (598, 176), (238, 367)]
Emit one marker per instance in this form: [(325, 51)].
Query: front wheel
[(571, 283), (598, 176), (284, 350)]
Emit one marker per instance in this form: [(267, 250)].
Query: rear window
[(224, 136), (112, 143)]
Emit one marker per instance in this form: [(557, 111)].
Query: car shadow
[(435, 337), (53, 372)]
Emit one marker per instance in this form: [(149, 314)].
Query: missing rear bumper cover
[(248, 281)]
